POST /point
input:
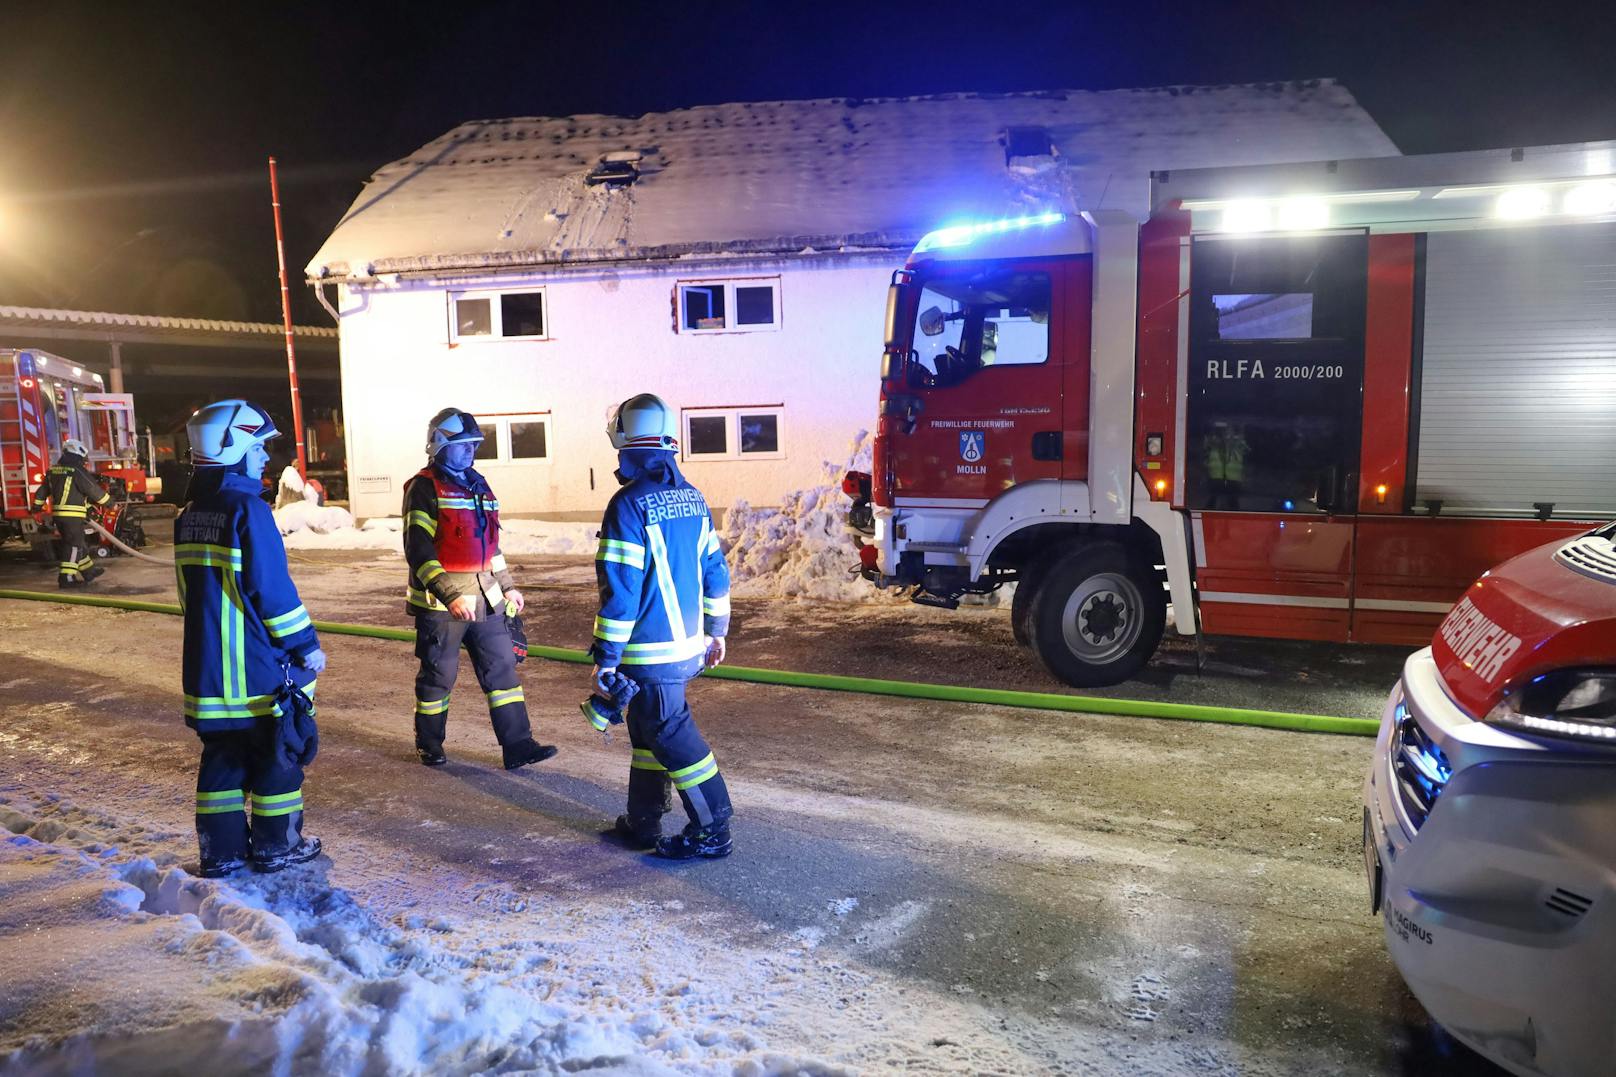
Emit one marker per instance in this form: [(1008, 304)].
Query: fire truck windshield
[(967, 321)]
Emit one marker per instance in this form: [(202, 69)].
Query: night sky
[(133, 137)]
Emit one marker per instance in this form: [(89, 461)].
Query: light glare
[(1591, 199), (1247, 217), (1304, 215), (1523, 203)]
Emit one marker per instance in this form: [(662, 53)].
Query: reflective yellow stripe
[(205, 553), (613, 631), (76, 512), (424, 521), (203, 708), (504, 696), (278, 803), (657, 654), (595, 719), (425, 598), (220, 801), (624, 553), (289, 623), (432, 706), (429, 571), (461, 503), (695, 774), (645, 759), (716, 607)]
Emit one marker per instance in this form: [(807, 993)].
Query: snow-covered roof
[(780, 176), (86, 319)]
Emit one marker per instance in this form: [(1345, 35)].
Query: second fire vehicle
[(1309, 401)]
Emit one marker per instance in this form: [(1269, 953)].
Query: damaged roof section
[(780, 176)]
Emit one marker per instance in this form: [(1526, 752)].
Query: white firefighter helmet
[(222, 433), (643, 422), (75, 447), (451, 426)]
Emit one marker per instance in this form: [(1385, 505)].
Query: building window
[(728, 306), (515, 438), (498, 315), (748, 433)]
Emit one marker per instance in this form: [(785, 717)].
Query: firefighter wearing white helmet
[(460, 592), (664, 613), (251, 654), (71, 490)]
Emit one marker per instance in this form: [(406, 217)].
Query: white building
[(732, 259)]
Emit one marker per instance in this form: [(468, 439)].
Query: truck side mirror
[(931, 321)]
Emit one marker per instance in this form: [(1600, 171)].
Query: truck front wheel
[(1097, 616)]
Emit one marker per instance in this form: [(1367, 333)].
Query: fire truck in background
[(46, 399), (1309, 401)]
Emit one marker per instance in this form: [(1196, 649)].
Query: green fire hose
[(996, 697)]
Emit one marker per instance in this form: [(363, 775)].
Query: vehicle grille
[(1569, 903), (1591, 555), (1419, 768)]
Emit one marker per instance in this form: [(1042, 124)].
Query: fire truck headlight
[(1249, 216), (1522, 204), (1575, 703), (1590, 199)]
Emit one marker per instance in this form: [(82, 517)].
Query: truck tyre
[(1097, 616), (1021, 606)]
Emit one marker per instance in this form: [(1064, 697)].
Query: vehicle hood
[(1550, 608)]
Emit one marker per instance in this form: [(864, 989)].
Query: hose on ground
[(996, 697), (130, 550)]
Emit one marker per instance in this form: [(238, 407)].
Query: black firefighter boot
[(711, 841), (523, 752), (305, 850)]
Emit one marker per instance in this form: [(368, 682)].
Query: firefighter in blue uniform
[(71, 490), (664, 613), (459, 592), (246, 635)]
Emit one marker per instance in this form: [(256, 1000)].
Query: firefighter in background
[(459, 590), (664, 613), (246, 635), (1225, 465), (72, 490)]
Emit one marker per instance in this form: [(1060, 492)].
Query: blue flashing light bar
[(960, 235)]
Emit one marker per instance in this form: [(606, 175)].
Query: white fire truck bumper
[(1493, 861)]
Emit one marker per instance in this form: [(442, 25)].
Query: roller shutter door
[(1518, 383)]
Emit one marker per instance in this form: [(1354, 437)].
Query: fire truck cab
[(46, 399), (1309, 401)]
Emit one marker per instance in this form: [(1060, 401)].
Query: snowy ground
[(919, 888)]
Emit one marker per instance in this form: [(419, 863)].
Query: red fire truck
[(1309, 401), (46, 399)]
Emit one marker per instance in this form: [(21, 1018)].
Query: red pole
[(286, 317)]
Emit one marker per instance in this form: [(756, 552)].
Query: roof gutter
[(502, 261)]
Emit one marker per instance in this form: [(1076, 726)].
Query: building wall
[(612, 335)]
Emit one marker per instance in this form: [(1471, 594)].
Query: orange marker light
[(1380, 493), (1161, 487)]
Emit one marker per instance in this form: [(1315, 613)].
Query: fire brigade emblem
[(973, 444)]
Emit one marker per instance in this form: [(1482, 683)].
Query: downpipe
[(996, 697)]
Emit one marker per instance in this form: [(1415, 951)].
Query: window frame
[(731, 414), (729, 285), (496, 319), (498, 425)]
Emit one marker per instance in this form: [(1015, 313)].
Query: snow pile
[(803, 548), (126, 965), (307, 527), (310, 516)]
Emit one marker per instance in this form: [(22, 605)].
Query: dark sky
[(133, 137)]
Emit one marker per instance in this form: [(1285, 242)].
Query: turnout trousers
[(72, 549), (670, 753), (247, 804), (438, 639)]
